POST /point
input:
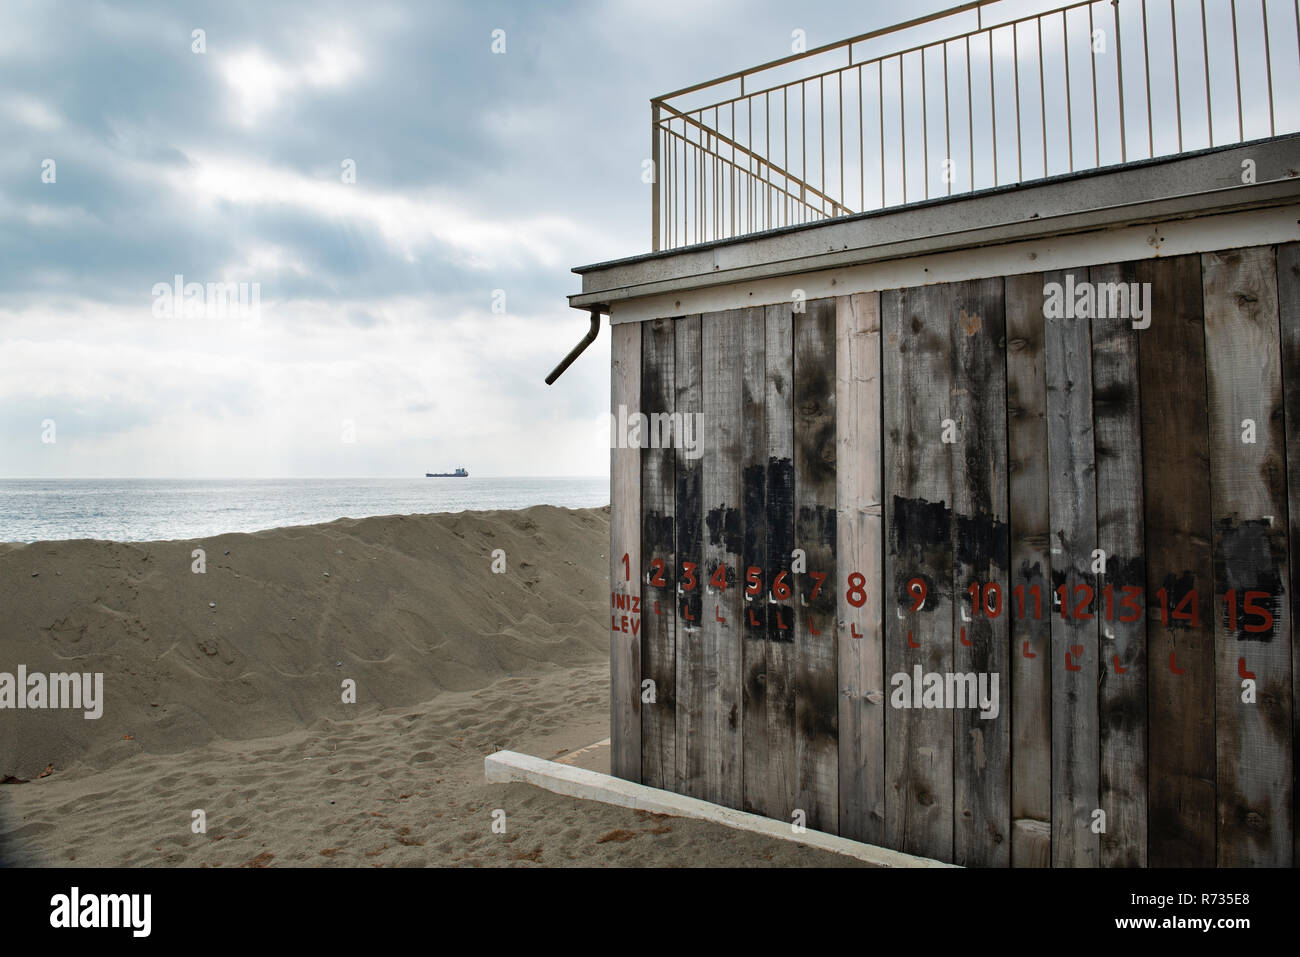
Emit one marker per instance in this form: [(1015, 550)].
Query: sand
[(223, 695)]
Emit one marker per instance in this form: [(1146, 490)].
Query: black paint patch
[(780, 543), (983, 542), (920, 536), (724, 525), (1122, 572), (918, 525), (1246, 560), (657, 535)]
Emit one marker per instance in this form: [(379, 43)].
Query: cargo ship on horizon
[(459, 473)]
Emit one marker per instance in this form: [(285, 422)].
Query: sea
[(141, 510)]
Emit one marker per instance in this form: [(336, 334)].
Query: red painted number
[(780, 587), (856, 594)]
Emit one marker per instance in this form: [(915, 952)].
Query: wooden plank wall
[(917, 365), (719, 579), (898, 496), (1122, 656), (1176, 490), (816, 671), (758, 755), (658, 525), (1072, 532), (624, 557), (859, 543), (1030, 686), (777, 796), (1248, 496), (981, 558), (1288, 301)]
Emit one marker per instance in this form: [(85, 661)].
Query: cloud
[(407, 221), (475, 172), (260, 84)]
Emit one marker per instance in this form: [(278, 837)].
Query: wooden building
[(965, 526)]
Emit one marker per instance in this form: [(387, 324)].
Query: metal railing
[(1009, 100)]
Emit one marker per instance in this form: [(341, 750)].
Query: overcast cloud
[(475, 172)]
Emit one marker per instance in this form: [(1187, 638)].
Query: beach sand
[(223, 694)]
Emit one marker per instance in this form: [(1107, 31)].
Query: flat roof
[(1185, 185)]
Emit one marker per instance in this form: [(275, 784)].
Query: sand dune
[(222, 694), (259, 644)]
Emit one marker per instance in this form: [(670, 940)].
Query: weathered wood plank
[(918, 493), (625, 559), (757, 759), (1248, 497), (1288, 296), (816, 682), (1176, 491), (658, 577), (859, 546), (780, 797), (981, 555), (690, 750), (721, 623), (1117, 435), (1072, 504), (1031, 683)]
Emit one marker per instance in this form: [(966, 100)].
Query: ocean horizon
[(139, 510)]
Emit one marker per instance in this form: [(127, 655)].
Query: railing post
[(654, 166)]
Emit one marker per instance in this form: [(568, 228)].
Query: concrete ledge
[(505, 767)]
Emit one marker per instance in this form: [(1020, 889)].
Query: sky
[(408, 202)]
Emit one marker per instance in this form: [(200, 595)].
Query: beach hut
[(955, 420)]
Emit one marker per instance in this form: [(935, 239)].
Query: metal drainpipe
[(587, 340)]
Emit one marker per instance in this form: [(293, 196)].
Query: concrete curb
[(505, 767)]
